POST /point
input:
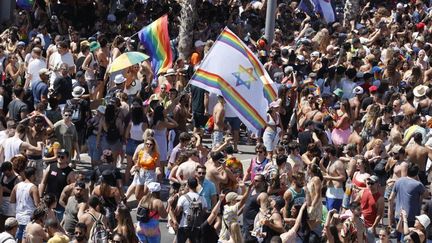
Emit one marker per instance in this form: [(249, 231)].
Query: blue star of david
[(246, 82)]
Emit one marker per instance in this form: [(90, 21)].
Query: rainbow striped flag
[(25, 4), (231, 69), (156, 41)]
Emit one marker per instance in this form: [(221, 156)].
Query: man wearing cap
[(40, 87), (372, 206), (34, 66), (11, 227), (56, 177), (198, 53)]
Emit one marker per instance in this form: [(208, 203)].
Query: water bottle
[(347, 195)]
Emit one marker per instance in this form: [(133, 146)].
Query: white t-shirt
[(5, 237), (133, 90), (56, 60), (33, 69), (184, 203)]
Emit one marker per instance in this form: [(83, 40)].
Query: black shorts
[(199, 120)]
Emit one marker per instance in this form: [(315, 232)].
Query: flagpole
[(270, 21)]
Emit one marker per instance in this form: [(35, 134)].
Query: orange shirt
[(147, 161), (195, 58)]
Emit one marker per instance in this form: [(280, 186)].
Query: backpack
[(76, 111), (98, 232), (113, 134), (195, 216)]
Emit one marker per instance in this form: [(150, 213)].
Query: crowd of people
[(345, 155)]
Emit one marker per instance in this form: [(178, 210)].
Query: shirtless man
[(355, 102), (219, 117), (418, 154), (216, 170), (397, 130), (187, 169), (34, 231), (397, 111), (400, 167), (335, 176), (92, 214), (35, 134), (355, 137), (408, 108)]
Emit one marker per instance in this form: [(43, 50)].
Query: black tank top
[(250, 210), (305, 138), (57, 180), (9, 185)]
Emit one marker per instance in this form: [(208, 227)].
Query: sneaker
[(171, 231)]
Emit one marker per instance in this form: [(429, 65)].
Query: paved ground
[(246, 153)]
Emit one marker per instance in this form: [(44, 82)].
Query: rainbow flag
[(156, 41), (231, 69), (25, 4)]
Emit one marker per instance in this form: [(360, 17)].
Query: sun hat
[(119, 79), (199, 43), (420, 91), (94, 45), (154, 187), (424, 220), (170, 72), (231, 196), (78, 91), (358, 90)]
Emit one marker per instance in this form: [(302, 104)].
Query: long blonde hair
[(155, 148), (235, 233)]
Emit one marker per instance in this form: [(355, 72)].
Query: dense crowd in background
[(345, 155)]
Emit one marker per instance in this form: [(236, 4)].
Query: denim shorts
[(94, 152), (131, 146), (20, 232), (217, 138)]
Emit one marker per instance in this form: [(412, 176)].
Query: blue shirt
[(207, 191), (408, 192), (39, 88)]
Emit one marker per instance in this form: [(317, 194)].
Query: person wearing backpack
[(80, 112), (111, 128), (150, 209), (95, 220), (192, 208)]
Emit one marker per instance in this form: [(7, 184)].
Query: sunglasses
[(259, 151), (149, 144), (201, 173), (370, 183), (66, 115), (61, 156)]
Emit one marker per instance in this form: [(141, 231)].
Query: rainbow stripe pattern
[(156, 41), (232, 96), (234, 41), (224, 71)]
